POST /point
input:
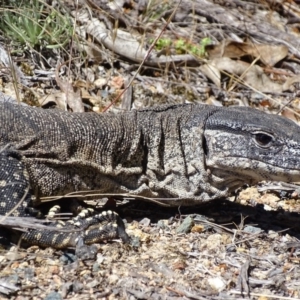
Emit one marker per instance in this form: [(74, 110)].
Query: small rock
[(51, 262), (23, 264), (66, 289), (35, 292), (13, 279), (145, 222), (72, 267), (77, 286), (268, 207), (67, 258), (135, 242), (96, 267), (54, 270), (100, 82), (270, 200), (179, 265), (214, 241), (85, 273), (53, 296), (29, 273), (113, 279), (86, 252), (198, 228), (161, 268), (216, 284), (92, 284), (252, 229), (56, 282), (246, 195), (162, 224), (170, 221), (185, 226), (100, 258)]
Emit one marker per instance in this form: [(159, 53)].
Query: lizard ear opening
[(204, 145)]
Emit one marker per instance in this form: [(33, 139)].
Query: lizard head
[(244, 145)]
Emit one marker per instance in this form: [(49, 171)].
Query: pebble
[(53, 296), (185, 226), (145, 222), (252, 229), (96, 267), (68, 258), (216, 284)]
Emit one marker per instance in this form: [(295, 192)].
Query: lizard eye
[(262, 139)]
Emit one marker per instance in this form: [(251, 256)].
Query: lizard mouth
[(255, 170)]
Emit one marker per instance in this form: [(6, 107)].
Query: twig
[(145, 58)]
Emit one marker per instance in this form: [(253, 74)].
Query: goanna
[(176, 155)]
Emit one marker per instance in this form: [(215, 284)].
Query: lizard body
[(178, 154)]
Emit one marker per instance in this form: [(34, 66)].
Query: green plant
[(163, 43), (203, 43), (183, 46), (34, 24)]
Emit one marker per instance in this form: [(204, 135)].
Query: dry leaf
[(197, 228), (252, 75), (210, 71), (268, 54), (289, 114), (117, 82), (56, 98), (71, 98)]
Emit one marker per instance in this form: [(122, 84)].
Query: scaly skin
[(177, 155)]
